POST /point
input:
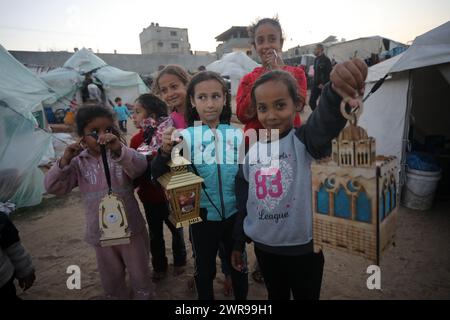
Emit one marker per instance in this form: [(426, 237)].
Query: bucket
[(420, 188)]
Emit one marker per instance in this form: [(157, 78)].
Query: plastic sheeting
[(384, 115), (63, 81), (235, 65), (21, 143), (19, 87), (84, 61), (429, 49), (21, 149), (116, 83), (379, 70)]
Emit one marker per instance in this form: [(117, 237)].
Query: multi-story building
[(234, 39), (157, 39)]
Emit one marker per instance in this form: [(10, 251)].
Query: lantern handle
[(353, 115)]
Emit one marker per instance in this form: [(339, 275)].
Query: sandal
[(257, 276)]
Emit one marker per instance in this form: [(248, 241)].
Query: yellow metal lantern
[(182, 189)]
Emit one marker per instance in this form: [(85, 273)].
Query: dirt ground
[(418, 267)]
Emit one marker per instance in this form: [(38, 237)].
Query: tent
[(234, 65), (22, 143), (414, 101), (117, 83)]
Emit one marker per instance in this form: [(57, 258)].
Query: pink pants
[(113, 262)]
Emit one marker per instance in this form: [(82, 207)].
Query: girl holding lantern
[(208, 104), (274, 201)]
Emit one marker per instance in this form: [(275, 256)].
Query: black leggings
[(157, 215), (206, 236), (301, 275), (123, 125)]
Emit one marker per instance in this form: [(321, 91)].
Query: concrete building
[(233, 40), (144, 64), (157, 39)]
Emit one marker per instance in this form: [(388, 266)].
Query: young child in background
[(275, 209), (81, 165), (171, 85), (15, 262), (267, 39), (208, 101), (150, 116), (122, 113)]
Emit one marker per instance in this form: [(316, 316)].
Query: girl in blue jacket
[(212, 145)]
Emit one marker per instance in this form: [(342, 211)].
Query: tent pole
[(406, 143)]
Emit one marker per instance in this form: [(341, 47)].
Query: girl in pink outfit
[(171, 85), (81, 166)]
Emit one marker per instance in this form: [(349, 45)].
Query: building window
[(173, 33), (160, 44), (296, 52), (175, 46)]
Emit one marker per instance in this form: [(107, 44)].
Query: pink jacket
[(86, 172)]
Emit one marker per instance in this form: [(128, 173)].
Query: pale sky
[(106, 25)]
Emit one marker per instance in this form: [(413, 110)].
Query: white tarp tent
[(117, 83), (417, 90), (22, 144), (234, 65)]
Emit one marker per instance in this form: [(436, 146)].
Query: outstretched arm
[(347, 82), (323, 125)]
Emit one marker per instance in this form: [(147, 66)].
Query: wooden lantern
[(113, 222), (182, 189), (355, 194)]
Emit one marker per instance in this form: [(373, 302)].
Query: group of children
[(251, 201)]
